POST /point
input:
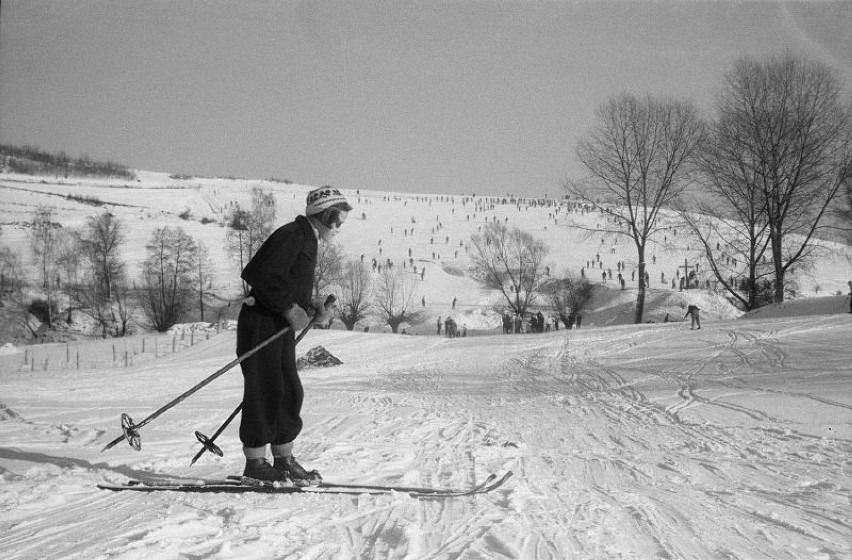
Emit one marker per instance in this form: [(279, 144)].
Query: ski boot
[(291, 470), (259, 472)]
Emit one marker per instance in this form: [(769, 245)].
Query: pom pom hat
[(325, 197)]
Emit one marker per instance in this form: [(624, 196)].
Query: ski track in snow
[(626, 442)]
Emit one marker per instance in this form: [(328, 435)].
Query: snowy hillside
[(626, 441), (434, 229)]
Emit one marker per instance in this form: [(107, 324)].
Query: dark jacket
[(282, 271)]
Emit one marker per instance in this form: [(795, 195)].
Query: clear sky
[(440, 97)]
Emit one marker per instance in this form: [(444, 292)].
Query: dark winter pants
[(272, 390)]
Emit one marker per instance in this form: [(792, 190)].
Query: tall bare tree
[(101, 240), (168, 277), (395, 298), (12, 287), (843, 211), (353, 304), (43, 244), (248, 229), (568, 297), (203, 274), (95, 274), (639, 157), (730, 221), (510, 261), (328, 269), (792, 131)]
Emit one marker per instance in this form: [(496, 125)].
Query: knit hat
[(324, 197)]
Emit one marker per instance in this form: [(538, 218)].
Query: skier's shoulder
[(299, 228)]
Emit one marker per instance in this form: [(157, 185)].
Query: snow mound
[(802, 307), (317, 357)]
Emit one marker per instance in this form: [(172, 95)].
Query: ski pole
[(130, 430), (208, 442)]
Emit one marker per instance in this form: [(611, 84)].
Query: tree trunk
[(777, 259), (640, 295)]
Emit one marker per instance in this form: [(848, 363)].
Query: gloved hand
[(323, 315), (297, 317)]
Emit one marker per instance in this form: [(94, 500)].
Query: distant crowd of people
[(451, 328), (535, 323)]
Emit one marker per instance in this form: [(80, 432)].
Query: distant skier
[(692, 312)]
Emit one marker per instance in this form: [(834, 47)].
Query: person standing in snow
[(692, 311), (281, 277), (850, 295)]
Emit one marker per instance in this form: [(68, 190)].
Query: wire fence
[(109, 353)]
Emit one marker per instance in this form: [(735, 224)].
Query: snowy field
[(627, 441), (648, 441)]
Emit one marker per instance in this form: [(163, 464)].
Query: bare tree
[(510, 261), (354, 303), (396, 298), (639, 158), (568, 297), (248, 229), (843, 211), (203, 274), (43, 244), (329, 268), (124, 306), (730, 221), (13, 285), (101, 240), (168, 277), (95, 275), (793, 133), (236, 239)]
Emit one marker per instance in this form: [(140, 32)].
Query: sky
[(431, 97)]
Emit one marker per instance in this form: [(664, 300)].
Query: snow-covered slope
[(627, 441), (433, 229), (649, 441)]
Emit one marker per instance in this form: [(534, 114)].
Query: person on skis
[(281, 278), (692, 312), (850, 295)]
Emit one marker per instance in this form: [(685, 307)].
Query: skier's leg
[(261, 384)]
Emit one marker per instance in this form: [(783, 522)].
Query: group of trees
[(33, 161), (771, 165), (82, 270), (511, 262)]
